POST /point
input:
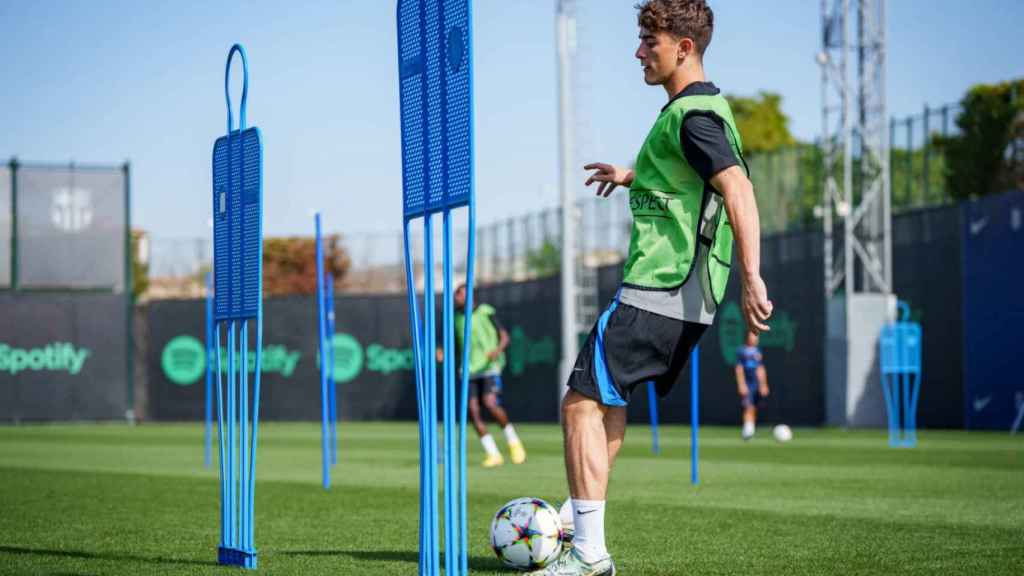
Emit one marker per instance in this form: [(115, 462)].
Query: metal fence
[(787, 182), (917, 161)]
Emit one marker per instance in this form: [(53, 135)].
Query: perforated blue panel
[(237, 225), (436, 72)]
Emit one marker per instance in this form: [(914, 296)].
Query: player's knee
[(577, 408), (491, 401)]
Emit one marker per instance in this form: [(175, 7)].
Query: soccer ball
[(526, 534), (782, 433)]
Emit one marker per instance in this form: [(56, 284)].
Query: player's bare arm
[(503, 343), (738, 192), (762, 377), (741, 382), (608, 177)]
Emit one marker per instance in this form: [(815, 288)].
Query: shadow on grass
[(398, 556), (102, 556)]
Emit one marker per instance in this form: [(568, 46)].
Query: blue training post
[(436, 79), (325, 370), (694, 414), (900, 366), (325, 338), (208, 411), (652, 404), (238, 301)]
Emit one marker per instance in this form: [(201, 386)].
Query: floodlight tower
[(858, 255), (565, 40)]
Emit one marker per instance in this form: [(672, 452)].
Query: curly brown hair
[(691, 19)]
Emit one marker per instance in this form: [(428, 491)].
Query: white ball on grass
[(526, 534)]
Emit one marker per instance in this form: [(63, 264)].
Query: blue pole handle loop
[(245, 87), (904, 310)]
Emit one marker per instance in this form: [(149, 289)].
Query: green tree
[(545, 260), (289, 264), (986, 156), (762, 123)]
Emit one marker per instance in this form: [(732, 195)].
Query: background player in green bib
[(690, 198), (486, 361)]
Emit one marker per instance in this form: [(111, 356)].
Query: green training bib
[(485, 338), (666, 199)]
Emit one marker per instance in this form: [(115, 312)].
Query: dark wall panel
[(373, 356), (62, 357), (926, 275), (993, 313)]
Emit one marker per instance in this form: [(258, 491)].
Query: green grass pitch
[(112, 499)]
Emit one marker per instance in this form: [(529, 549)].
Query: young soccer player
[(751, 382), (690, 196), (486, 360)]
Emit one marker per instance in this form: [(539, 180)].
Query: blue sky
[(105, 81)]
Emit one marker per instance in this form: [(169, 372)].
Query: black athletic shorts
[(753, 397), (480, 386), (628, 347)]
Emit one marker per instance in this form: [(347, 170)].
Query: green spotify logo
[(184, 360), (732, 331)]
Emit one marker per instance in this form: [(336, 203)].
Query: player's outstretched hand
[(764, 392), (757, 308), (608, 176)]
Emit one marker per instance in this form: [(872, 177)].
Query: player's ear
[(685, 48)]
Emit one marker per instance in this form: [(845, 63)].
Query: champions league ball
[(782, 433), (526, 534)]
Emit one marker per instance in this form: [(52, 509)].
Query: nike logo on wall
[(978, 226), (980, 403)]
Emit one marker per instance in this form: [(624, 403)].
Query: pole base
[(236, 557)]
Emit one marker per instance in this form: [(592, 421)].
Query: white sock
[(588, 517), (748, 429), (489, 445), (510, 434)]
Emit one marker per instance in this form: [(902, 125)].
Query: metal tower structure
[(855, 145), (858, 248)]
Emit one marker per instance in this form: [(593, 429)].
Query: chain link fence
[(788, 184), (917, 160)]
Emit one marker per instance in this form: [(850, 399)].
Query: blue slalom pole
[(652, 404), (450, 557), (694, 414), (232, 403), (417, 352), (221, 438), (208, 412), (332, 385), (430, 373), (322, 332), (250, 508), (243, 435), (463, 537)]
